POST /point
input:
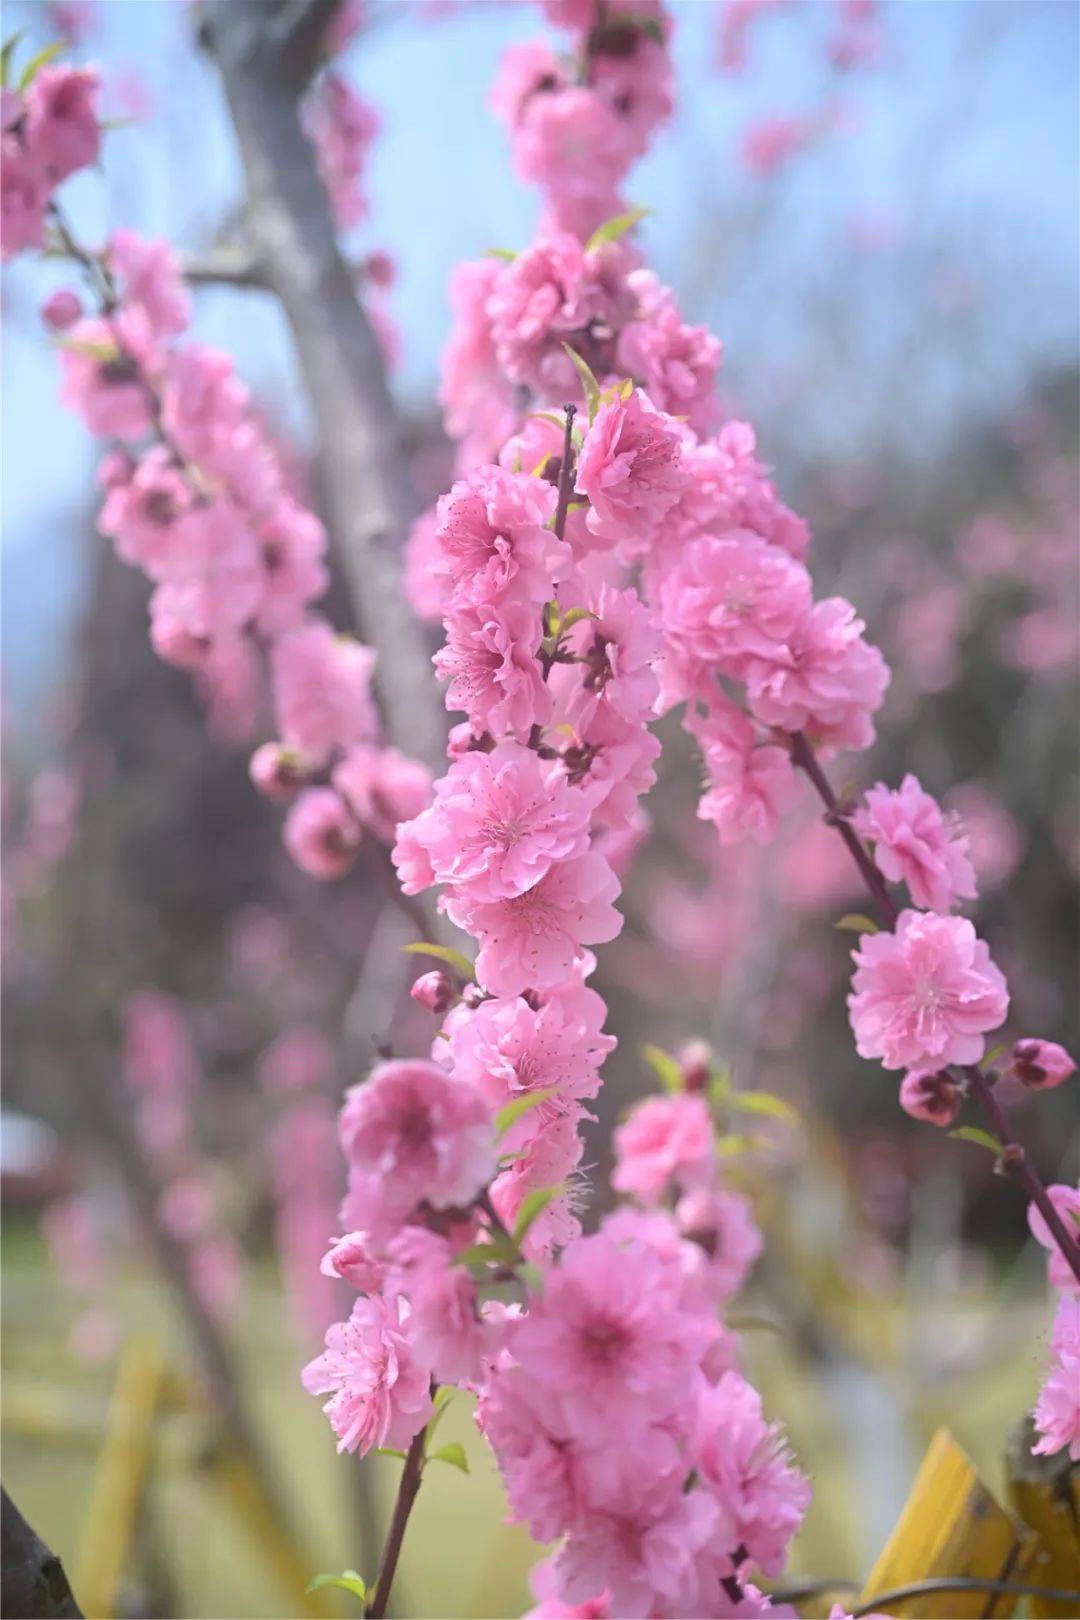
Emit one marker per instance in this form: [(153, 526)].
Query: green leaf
[(442, 953), (857, 923), (508, 255), (973, 1133), (992, 1056), (588, 382), (511, 1112), (442, 1398), (743, 1323), (664, 1066), (552, 619), (732, 1143), (105, 352), (499, 1251), (350, 1581), (390, 1451), (574, 616), (720, 1084), (547, 416), (763, 1102), (452, 1453), (532, 1205), (11, 45), (613, 228), (39, 59)]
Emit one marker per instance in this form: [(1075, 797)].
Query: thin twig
[(964, 1583), (408, 1486), (1014, 1161)]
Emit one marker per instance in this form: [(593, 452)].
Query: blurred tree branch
[(34, 1584), (266, 54)]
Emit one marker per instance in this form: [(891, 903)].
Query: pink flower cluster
[(341, 127), (203, 503), (579, 120), (1057, 1411), (620, 1422), (51, 129)]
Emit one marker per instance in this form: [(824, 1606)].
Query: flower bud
[(696, 1061), (1040, 1065), (934, 1098), (61, 310), (276, 771), (433, 991)]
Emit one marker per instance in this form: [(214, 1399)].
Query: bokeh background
[(898, 296)]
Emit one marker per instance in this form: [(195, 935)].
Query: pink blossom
[(731, 600), (676, 364), (445, 1323), (492, 538), (61, 309), (412, 1135), (320, 833), (573, 142), (664, 1138), (379, 1390), (532, 939), (62, 127), (544, 298), (629, 469), (341, 126), (500, 821), (605, 1339), (745, 1462), (322, 690), (427, 588), (828, 681), (505, 1047), (211, 577), (383, 788), (617, 644), (549, 1606), (1066, 1200), (490, 664), (140, 514), (929, 1096), (276, 771), (916, 844), (102, 384), (1057, 1411), (924, 995), (748, 787), (1040, 1065), (148, 275), (647, 1555), (476, 395), (24, 192), (722, 1225), (291, 543), (352, 1258)]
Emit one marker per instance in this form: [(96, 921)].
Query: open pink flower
[(62, 126), (492, 670), (379, 1391), (500, 821), (721, 1223), (322, 690), (492, 537), (745, 1462), (505, 1047), (412, 1135), (532, 940), (629, 470), (1057, 1411), (917, 844), (148, 275), (383, 787), (748, 785), (925, 995), (664, 1138), (828, 682), (102, 384)]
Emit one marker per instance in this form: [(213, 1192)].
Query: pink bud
[(934, 1098), (276, 771), (695, 1060), (61, 310), (433, 991), (321, 833), (380, 269), (1040, 1065)]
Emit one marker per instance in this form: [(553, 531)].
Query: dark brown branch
[(33, 1585), (408, 1486)]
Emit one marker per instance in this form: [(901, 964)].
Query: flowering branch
[(1013, 1160)]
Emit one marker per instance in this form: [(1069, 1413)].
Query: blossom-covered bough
[(611, 552)]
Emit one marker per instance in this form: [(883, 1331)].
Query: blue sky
[(966, 143)]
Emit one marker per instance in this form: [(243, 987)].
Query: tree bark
[(266, 52), (32, 1579)]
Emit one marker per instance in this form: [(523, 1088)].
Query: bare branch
[(34, 1584), (228, 266)]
